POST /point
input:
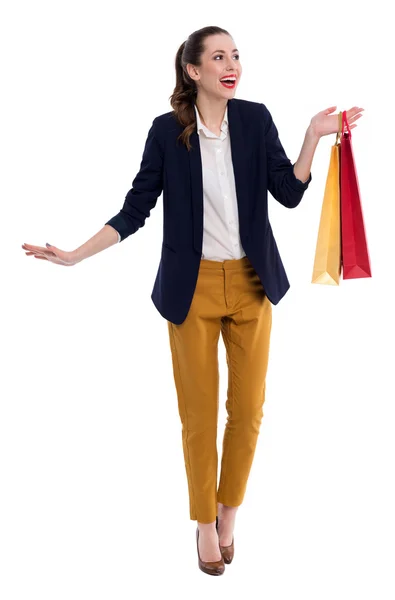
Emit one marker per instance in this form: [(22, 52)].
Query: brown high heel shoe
[(227, 552), (210, 567)]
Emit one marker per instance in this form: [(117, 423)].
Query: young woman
[(214, 157)]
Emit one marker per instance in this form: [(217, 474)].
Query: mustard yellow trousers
[(229, 298)]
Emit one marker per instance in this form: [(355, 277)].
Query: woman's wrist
[(75, 256), (311, 135)]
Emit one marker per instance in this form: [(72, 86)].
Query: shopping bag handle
[(344, 121), (339, 129)]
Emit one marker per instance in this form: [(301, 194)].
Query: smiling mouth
[(228, 83)]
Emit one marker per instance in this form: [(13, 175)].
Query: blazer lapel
[(239, 150), (239, 158)]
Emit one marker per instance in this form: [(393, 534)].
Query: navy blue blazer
[(259, 163)]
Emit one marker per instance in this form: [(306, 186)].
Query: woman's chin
[(227, 93)]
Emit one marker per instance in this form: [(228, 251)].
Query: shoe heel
[(227, 552)]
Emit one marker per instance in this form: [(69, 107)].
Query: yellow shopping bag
[(327, 262)]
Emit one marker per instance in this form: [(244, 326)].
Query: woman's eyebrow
[(223, 51)]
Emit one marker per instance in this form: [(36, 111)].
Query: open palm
[(325, 123), (52, 254)]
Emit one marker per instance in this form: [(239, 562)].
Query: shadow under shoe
[(210, 567)]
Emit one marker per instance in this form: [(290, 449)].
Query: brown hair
[(184, 94)]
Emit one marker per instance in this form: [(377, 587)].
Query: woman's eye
[(220, 56)]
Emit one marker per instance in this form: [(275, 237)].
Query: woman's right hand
[(53, 254)]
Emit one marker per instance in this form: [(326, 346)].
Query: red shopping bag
[(354, 249)]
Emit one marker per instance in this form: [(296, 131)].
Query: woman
[(214, 157)]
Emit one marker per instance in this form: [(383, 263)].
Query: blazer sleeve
[(147, 186), (282, 183)]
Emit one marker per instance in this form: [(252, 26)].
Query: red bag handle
[(344, 121)]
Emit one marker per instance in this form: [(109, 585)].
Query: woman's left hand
[(324, 123)]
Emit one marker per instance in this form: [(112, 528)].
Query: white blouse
[(221, 238)]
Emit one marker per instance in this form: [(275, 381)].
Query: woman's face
[(219, 60)]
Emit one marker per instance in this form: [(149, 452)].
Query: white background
[(93, 500)]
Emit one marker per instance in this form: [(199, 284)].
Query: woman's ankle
[(206, 527)]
